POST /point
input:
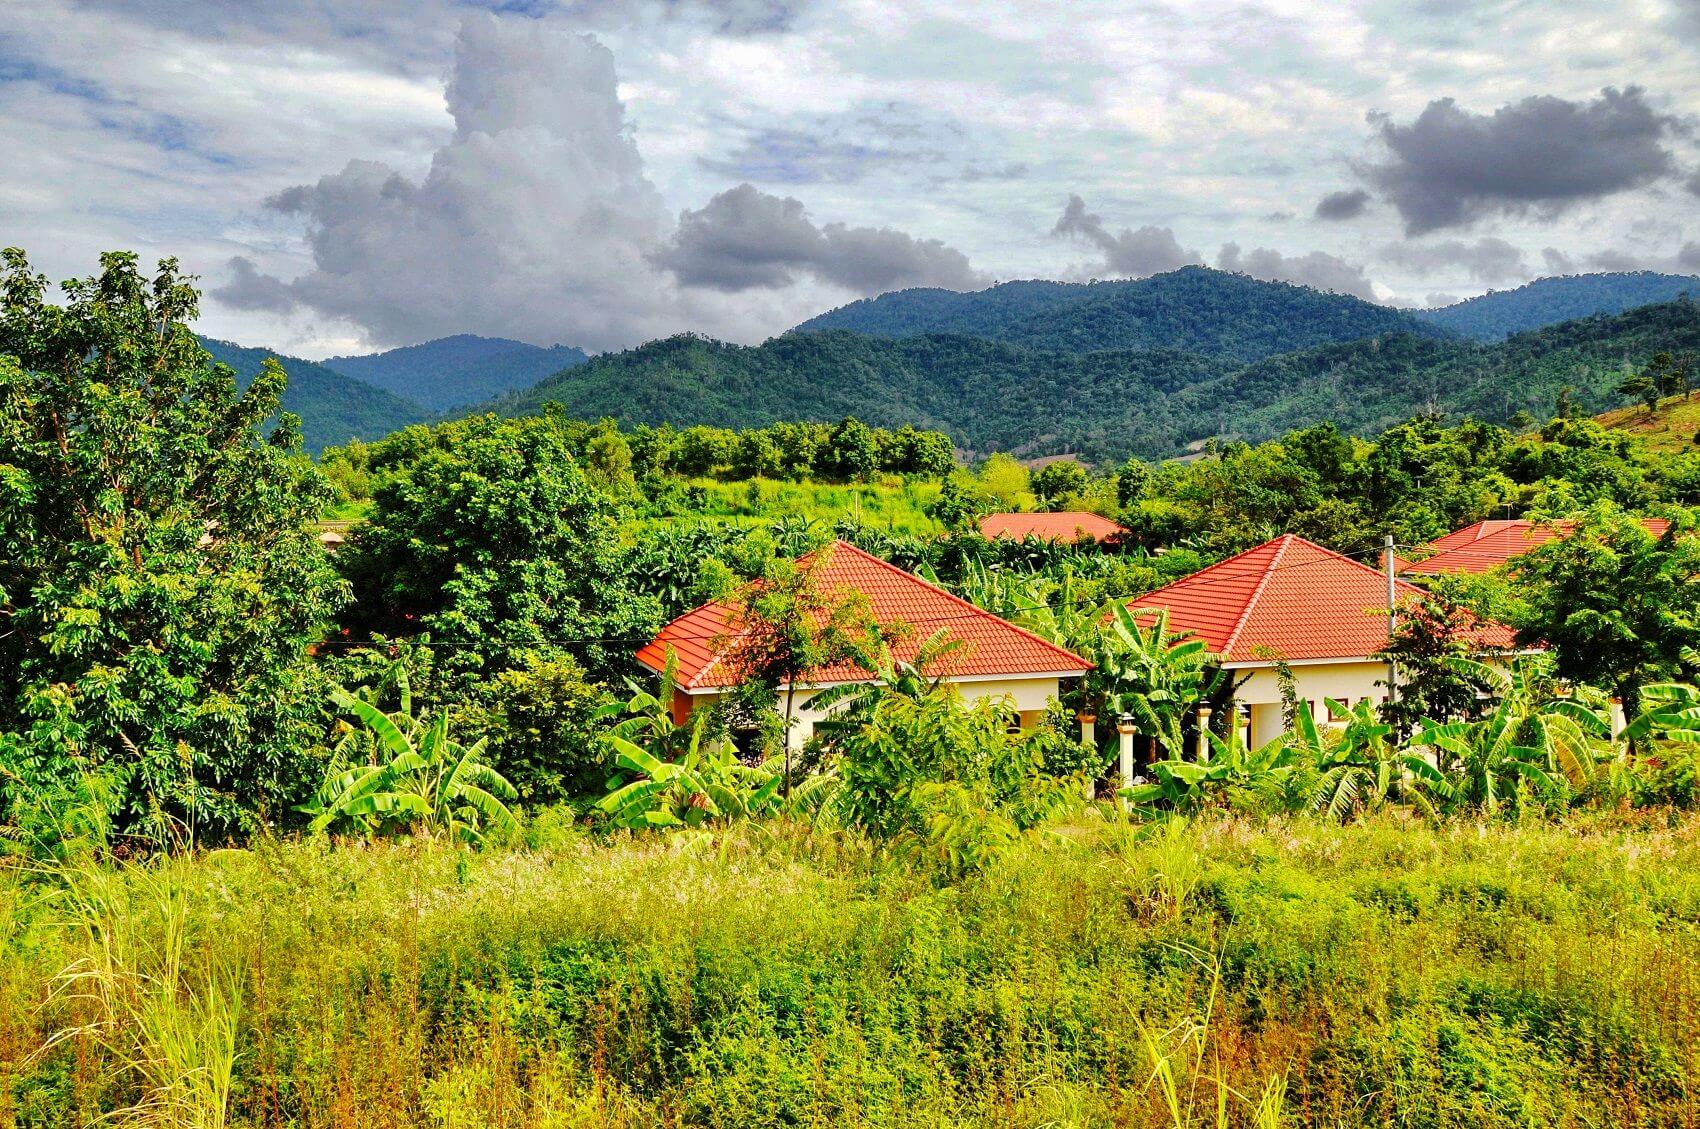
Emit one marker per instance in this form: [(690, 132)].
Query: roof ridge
[(1286, 540), (973, 607)]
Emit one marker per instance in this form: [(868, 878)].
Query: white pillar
[(1089, 738), (1124, 736), (1618, 721), (1203, 734)]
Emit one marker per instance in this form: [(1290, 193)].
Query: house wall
[(1028, 697), (1347, 682)]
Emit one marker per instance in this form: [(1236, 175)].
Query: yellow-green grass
[(1670, 427), (892, 503), (1391, 973)]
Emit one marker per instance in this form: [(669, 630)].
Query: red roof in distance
[(992, 647), (1488, 544), (1066, 527), (1289, 599)]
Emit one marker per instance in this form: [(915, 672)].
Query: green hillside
[(452, 372), (333, 408), (992, 396), (1194, 309), (1547, 301)]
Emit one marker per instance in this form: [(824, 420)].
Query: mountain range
[(990, 395), (1104, 369), (453, 372)]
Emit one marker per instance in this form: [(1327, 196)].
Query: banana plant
[(1234, 774), (848, 704), (1670, 711), (1530, 738), (1357, 766), (707, 782), (417, 777), (1154, 676)]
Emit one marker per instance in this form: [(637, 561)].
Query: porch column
[(1203, 734), (1089, 738), (1618, 722), (1124, 735)]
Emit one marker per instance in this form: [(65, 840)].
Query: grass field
[(894, 503), (1295, 972), (1672, 427)]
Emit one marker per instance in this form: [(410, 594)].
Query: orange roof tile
[(1290, 599), (993, 646), (1488, 544)]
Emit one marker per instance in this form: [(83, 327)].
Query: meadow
[(1203, 971)]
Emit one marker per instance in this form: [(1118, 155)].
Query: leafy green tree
[(497, 547), (1642, 385), (1432, 634), (1058, 481), (161, 577), (851, 453), (788, 622), (1620, 606), (1132, 480), (1006, 482)]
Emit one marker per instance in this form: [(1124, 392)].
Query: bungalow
[(1067, 528), (997, 659), (1290, 601), (1488, 544)]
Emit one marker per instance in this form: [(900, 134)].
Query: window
[(1338, 710)]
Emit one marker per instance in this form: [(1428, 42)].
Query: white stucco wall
[(1347, 682), (1026, 696)]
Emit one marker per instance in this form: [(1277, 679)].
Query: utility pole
[(1392, 619)]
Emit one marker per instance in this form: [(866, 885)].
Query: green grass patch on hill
[(1673, 426), (893, 503), (1389, 973)]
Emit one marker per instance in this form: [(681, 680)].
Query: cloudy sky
[(360, 174)]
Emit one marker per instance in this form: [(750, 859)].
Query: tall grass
[(1212, 971)]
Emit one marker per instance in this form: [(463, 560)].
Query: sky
[(350, 176)]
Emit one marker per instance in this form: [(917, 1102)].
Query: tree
[(499, 546), (1057, 481), (1432, 634), (1131, 482), (1643, 385), (1005, 481), (786, 623), (160, 577), (851, 452), (1616, 603)]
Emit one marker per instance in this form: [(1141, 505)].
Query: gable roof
[(1068, 526), (1488, 544), (992, 646), (1290, 599)]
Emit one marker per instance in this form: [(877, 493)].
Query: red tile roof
[(993, 646), (1489, 544), (1069, 526), (1290, 599)]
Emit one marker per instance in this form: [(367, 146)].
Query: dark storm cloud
[(1450, 166), (1317, 269), (1134, 253), (1486, 260), (745, 238), (1343, 205)]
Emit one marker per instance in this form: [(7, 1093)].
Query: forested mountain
[(1547, 301), (452, 372), (1194, 309), (993, 396), (334, 408)]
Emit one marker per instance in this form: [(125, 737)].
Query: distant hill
[(453, 372), (334, 408), (1195, 309), (1547, 301), (993, 396)]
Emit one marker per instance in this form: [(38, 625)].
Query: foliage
[(1155, 677), (704, 782), (161, 578), (1432, 634), (1617, 604), (413, 777)]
